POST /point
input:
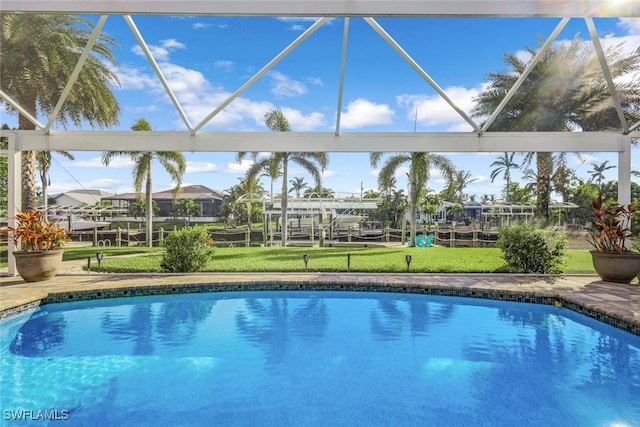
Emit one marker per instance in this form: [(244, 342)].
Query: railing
[(243, 237)]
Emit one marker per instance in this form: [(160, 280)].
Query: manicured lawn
[(424, 260)]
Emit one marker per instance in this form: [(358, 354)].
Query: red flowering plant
[(611, 226), (34, 233)]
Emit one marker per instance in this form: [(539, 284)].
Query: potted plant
[(40, 246), (612, 258)]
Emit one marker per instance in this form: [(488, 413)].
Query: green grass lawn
[(424, 260)]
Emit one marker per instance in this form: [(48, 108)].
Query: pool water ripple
[(318, 358)]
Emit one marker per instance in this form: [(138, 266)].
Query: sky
[(205, 59)]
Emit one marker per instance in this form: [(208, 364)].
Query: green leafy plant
[(527, 249), (611, 226), (34, 233), (187, 250)]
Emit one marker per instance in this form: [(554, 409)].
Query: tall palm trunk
[(29, 188), (284, 203), (413, 203), (149, 202), (544, 164), (44, 181)]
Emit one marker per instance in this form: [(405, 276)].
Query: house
[(78, 198), (209, 201)]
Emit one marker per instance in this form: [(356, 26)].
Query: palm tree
[(419, 172), (38, 55), (297, 185), (313, 163), (172, 161), (319, 192), (597, 173), (251, 188), (503, 166), (456, 183), (565, 91), (272, 170), (43, 162)]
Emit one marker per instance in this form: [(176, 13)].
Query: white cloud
[(200, 26), (196, 167), (301, 123), (240, 168), (104, 184), (361, 112), (224, 64), (94, 162), (316, 81), (329, 173), (161, 52), (198, 97), (630, 25), (433, 110), (132, 78), (284, 86)]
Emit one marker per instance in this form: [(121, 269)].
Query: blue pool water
[(315, 359)]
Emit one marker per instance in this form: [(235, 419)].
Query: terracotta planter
[(38, 266), (613, 267)]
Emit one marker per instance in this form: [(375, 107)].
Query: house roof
[(195, 192), (84, 196)]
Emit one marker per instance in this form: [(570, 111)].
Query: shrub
[(187, 250), (527, 249)]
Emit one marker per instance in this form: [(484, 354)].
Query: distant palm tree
[(503, 166), (419, 172), (43, 162), (251, 188), (297, 185), (313, 163), (456, 183), (273, 171), (597, 174), (38, 55), (173, 162)]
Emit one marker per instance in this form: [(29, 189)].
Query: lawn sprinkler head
[(407, 258)]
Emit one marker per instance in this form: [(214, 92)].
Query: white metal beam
[(525, 73), (360, 142), (607, 74), (21, 110), (495, 8), (343, 63), (14, 195), (624, 170), (286, 51), (382, 33), (156, 69), (76, 71)]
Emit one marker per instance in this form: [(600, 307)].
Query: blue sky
[(207, 58)]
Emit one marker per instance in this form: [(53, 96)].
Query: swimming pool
[(316, 358)]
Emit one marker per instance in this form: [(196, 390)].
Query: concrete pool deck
[(612, 303)]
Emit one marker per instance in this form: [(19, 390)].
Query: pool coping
[(614, 304)]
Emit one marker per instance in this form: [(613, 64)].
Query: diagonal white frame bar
[(156, 69), (343, 63), (536, 58), (21, 110), (76, 72), (286, 51), (635, 126), (378, 29), (607, 73)]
